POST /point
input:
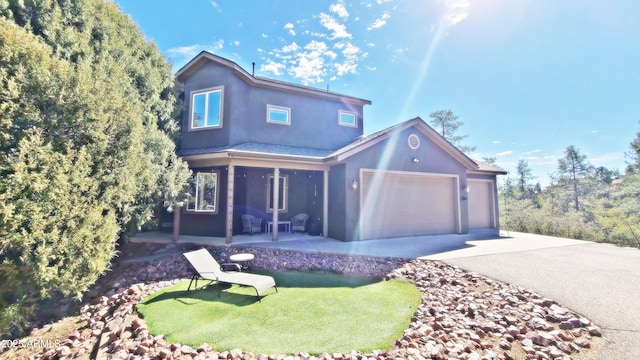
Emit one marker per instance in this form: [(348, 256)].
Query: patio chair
[(251, 224), (207, 268), (299, 222)]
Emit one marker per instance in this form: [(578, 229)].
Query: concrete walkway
[(599, 281)]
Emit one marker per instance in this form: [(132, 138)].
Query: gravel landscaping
[(463, 315)]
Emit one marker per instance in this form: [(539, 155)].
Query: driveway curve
[(600, 281)]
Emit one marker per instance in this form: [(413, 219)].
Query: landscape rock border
[(462, 315)]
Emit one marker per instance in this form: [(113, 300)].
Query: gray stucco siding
[(208, 76), (207, 224), (399, 157), (313, 120)]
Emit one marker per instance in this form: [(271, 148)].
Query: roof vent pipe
[(253, 72)]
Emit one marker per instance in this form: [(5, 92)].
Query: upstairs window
[(203, 194), (346, 118), (206, 109), (278, 115)]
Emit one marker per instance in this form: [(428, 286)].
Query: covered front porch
[(273, 188)]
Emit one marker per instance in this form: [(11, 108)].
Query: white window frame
[(286, 110), (206, 93), (355, 118), (284, 194), (213, 209)]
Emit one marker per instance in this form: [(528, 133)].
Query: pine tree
[(447, 124)]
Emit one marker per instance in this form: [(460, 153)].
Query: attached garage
[(396, 203), (481, 204)]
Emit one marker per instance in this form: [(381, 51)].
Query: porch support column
[(176, 223), (325, 204), (230, 181), (276, 201)]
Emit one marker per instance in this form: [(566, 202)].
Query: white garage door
[(406, 204), (480, 203)]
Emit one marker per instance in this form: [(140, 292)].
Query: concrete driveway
[(599, 281)]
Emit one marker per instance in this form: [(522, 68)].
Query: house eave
[(486, 172), (256, 81), (257, 159)]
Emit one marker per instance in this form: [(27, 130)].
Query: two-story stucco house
[(274, 149)]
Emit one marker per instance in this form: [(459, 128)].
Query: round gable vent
[(414, 141)]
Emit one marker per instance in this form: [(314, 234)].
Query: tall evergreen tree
[(447, 124), (524, 176), (86, 129), (573, 168)]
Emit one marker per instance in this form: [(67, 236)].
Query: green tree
[(447, 124), (572, 169), (524, 176), (634, 155), (489, 160), (86, 144)]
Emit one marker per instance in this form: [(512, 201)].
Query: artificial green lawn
[(312, 312)]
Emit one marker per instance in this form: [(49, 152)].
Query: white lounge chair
[(207, 268)]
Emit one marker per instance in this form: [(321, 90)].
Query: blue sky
[(527, 77)]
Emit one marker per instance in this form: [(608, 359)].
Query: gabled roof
[(370, 140), (205, 57), (293, 153)]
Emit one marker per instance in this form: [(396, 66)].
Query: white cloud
[(338, 31), (272, 67), (378, 23), (291, 47), (456, 11), (190, 51), (265, 36), (339, 10), (350, 50), (236, 43), (310, 64), (504, 153), (350, 64), (496, 142), (289, 27), (606, 159)]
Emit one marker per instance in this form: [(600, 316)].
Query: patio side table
[(287, 226), (243, 260)]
